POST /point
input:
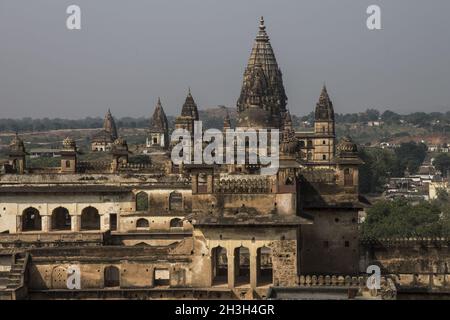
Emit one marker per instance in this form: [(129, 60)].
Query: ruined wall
[(407, 256), (330, 244), (414, 264)]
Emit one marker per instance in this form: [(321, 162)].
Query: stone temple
[(166, 231)]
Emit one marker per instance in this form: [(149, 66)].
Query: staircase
[(12, 283), (16, 273)]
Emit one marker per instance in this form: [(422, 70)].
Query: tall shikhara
[(109, 125), (262, 102)]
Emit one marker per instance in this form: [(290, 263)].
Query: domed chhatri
[(346, 145), (121, 142), (69, 143)]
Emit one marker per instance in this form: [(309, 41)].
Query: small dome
[(346, 145), (69, 143), (120, 142)]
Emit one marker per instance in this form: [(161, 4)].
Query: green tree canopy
[(442, 163), (399, 218)]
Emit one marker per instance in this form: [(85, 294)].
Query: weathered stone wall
[(284, 204), (284, 262), (123, 205), (414, 265), (330, 244), (281, 240), (407, 256)]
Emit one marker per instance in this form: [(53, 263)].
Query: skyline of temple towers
[(201, 226)]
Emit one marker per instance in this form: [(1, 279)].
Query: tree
[(399, 218), (410, 155), (373, 114), (377, 167), (390, 117), (442, 163)]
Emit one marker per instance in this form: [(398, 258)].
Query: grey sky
[(130, 52)]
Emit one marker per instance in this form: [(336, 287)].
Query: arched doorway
[(219, 266), (111, 277), (90, 219), (31, 220), (61, 219), (142, 224), (264, 270), (242, 266), (175, 201), (176, 223), (142, 201)]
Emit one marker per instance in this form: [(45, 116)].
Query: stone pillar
[(195, 183), (75, 222), (45, 220), (231, 271), (253, 269), (210, 183), (104, 222)]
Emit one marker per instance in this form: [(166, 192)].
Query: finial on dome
[(261, 23)]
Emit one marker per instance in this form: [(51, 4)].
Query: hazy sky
[(130, 52)]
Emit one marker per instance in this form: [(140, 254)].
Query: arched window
[(61, 219), (242, 263), (176, 223), (324, 157), (111, 277), (142, 223), (219, 268), (31, 220), (90, 219), (67, 164), (175, 201), (142, 201)]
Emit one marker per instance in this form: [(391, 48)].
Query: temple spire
[(324, 107), (189, 108), (109, 125), (262, 86), (158, 122)]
